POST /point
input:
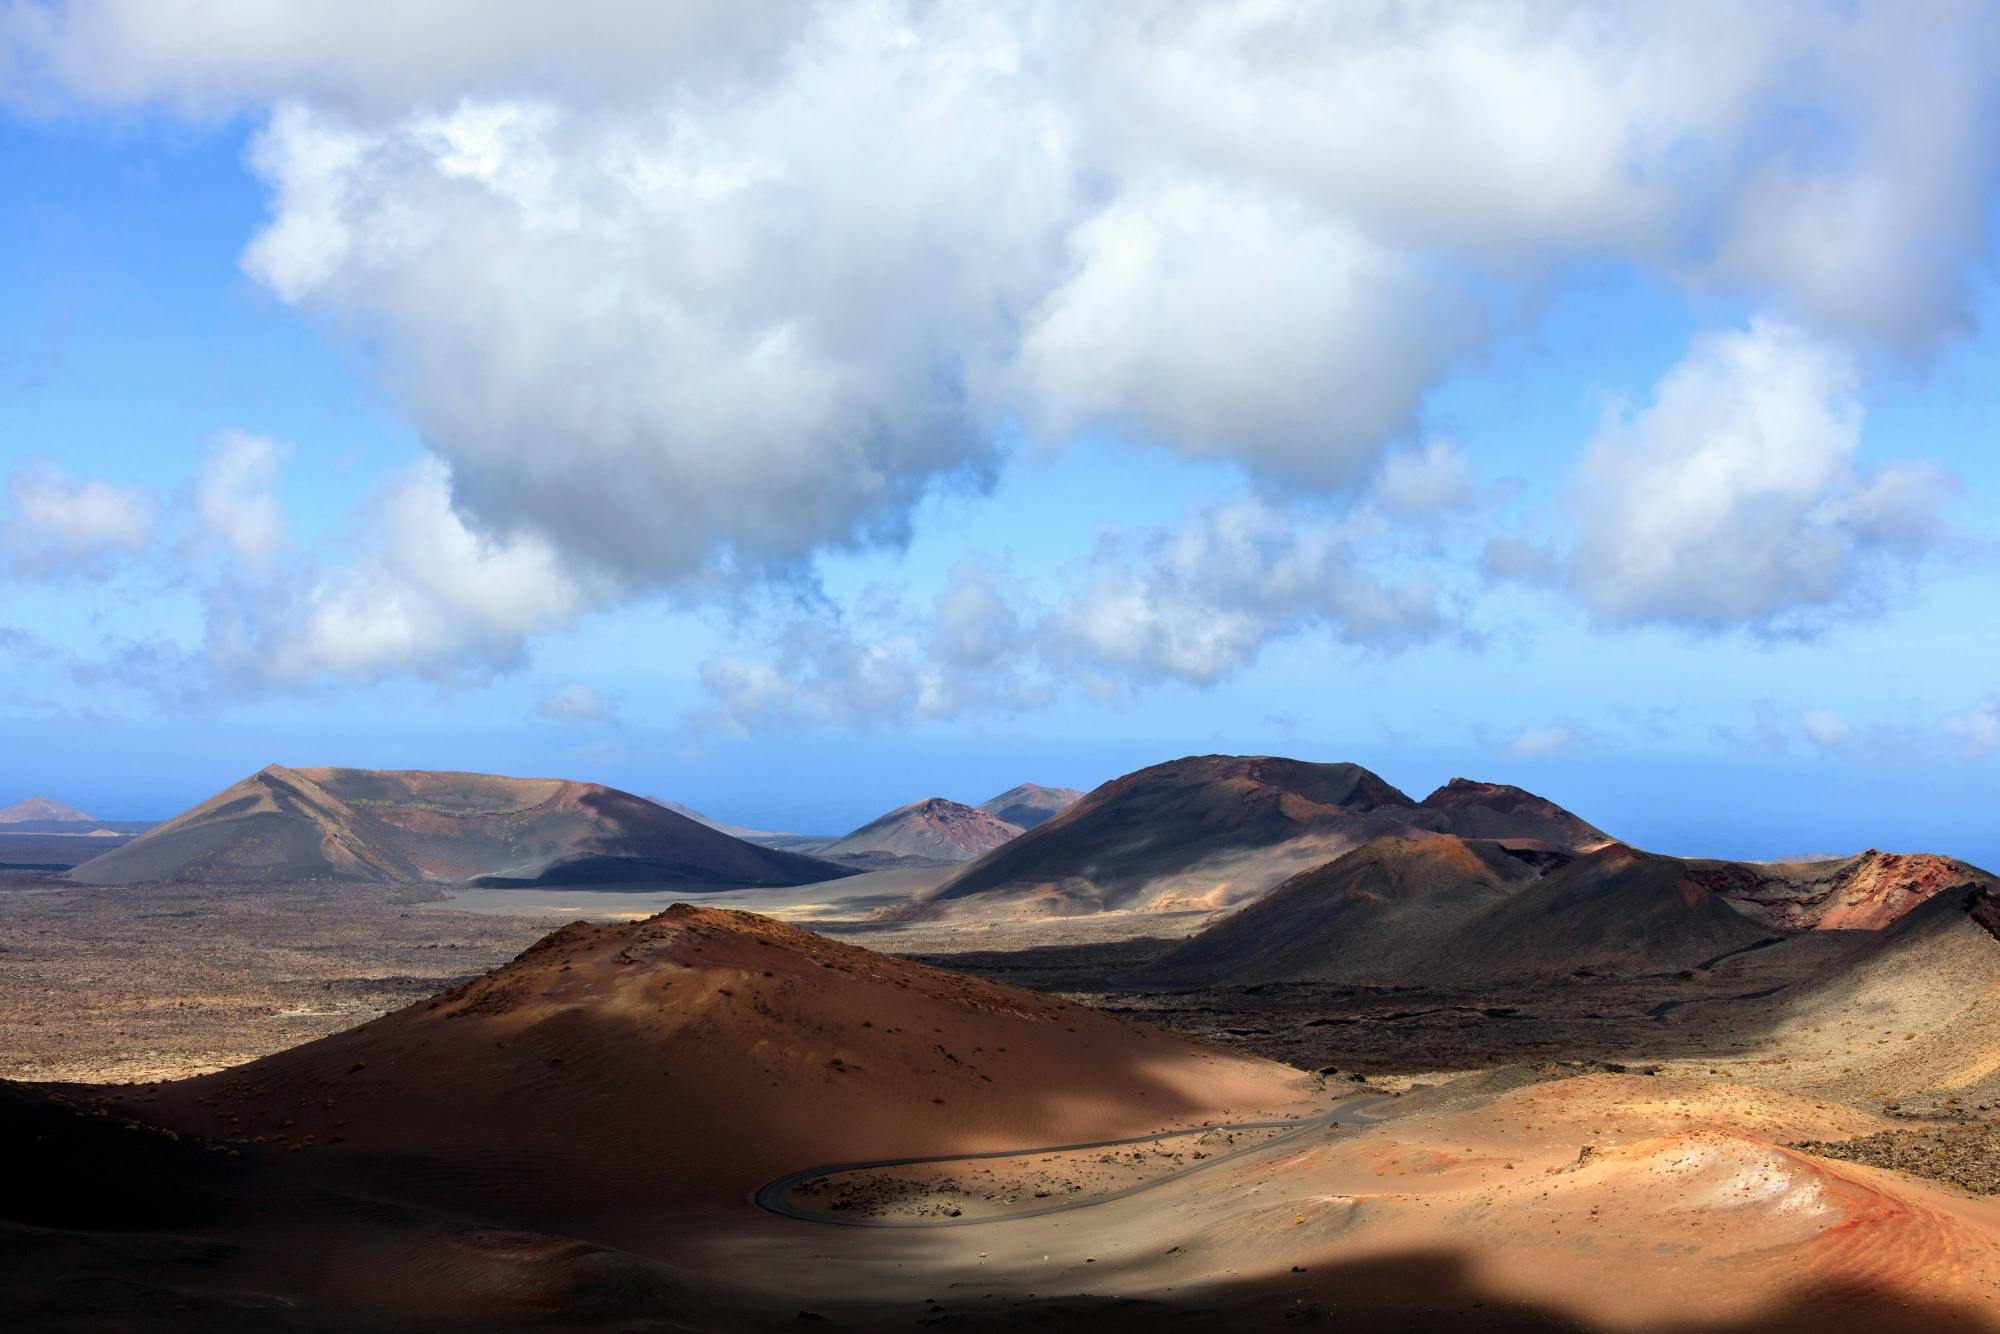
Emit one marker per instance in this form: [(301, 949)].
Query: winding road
[(773, 1196)]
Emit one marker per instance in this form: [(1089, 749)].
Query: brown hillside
[(696, 1054)]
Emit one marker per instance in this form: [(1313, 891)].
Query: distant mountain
[(1029, 804), (42, 809), (1443, 909), (733, 830), (933, 829), (1214, 830), (764, 838), (388, 826)]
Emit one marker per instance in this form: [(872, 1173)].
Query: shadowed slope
[(375, 825), (1615, 910), (1382, 911), (1445, 909)]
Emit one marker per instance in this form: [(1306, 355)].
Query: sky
[(801, 411)]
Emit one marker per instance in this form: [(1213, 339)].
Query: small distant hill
[(934, 830), (1473, 809), (421, 825), (1210, 831), (1031, 804), (40, 809)]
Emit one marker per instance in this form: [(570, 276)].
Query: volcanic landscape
[(1228, 1042)]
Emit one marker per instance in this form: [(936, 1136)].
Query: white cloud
[(1516, 558), (1825, 728), (1195, 601), (1230, 322), (236, 501), (1977, 730), (423, 594), (376, 55), (697, 291), (878, 664), (573, 702), (976, 625), (1868, 236), (1431, 478), (664, 344), (1733, 498), (55, 526), (1535, 741), (1248, 228), (1201, 600)]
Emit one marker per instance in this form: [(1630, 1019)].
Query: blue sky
[(800, 421)]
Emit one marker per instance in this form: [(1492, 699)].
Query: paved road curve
[(774, 1195)]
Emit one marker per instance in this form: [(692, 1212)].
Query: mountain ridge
[(1211, 831), (448, 826)]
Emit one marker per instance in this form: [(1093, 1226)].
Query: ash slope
[(1213, 830), (1918, 1011), (418, 825), (933, 829)]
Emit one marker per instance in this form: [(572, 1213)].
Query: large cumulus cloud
[(686, 293), (1733, 498)]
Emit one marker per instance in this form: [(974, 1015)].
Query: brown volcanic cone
[(1473, 809), (1030, 804), (934, 829), (1204, 831), (696, 1054), (41, 809), (379, 825)]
